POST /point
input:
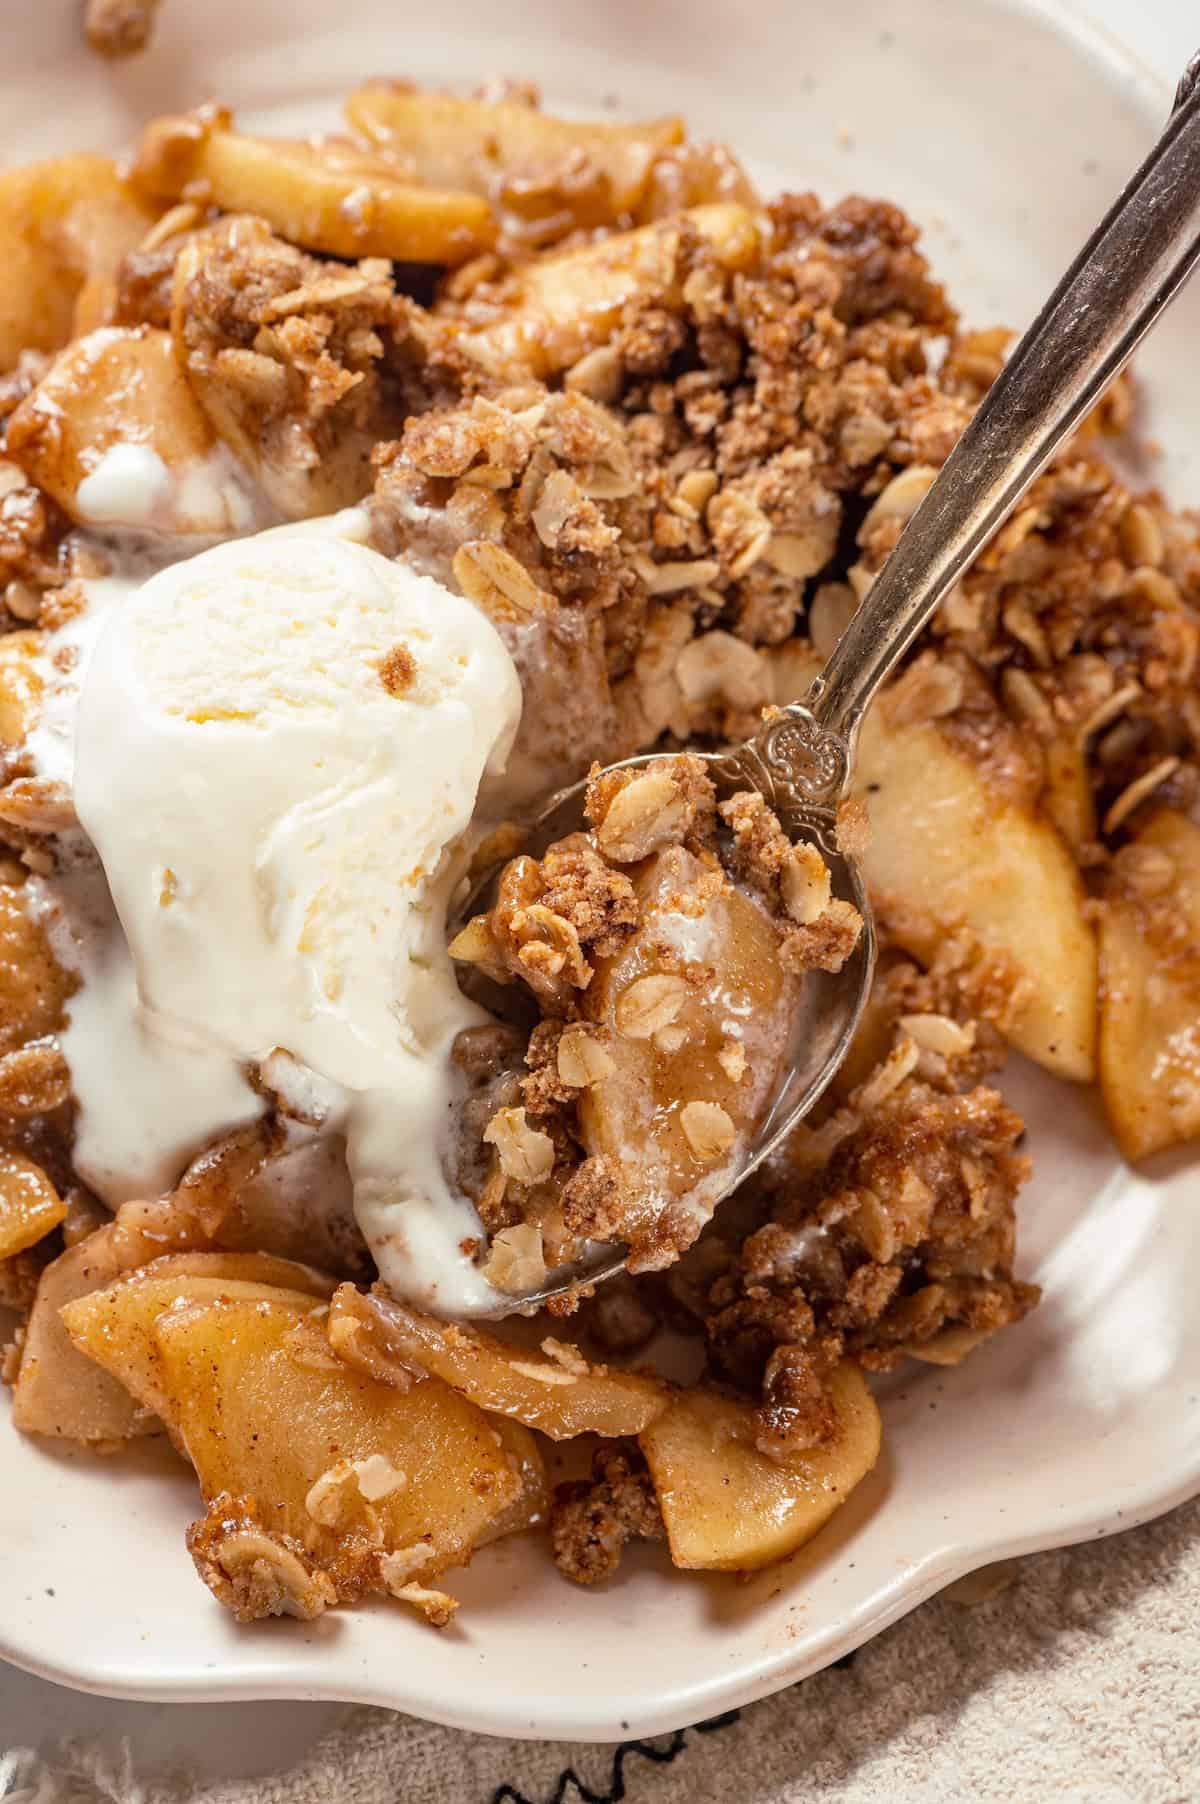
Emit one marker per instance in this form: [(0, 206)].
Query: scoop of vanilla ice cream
[(279, 743)]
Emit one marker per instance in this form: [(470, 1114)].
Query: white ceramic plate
[(1005, 129)]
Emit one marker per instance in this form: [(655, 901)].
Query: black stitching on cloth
[(583, 1793)]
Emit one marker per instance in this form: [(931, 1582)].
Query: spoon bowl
[(786, 762)]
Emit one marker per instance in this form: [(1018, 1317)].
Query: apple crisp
[(661, 434)]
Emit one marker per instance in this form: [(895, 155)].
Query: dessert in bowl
[(532, 444)]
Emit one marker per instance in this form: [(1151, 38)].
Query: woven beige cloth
[(1079, 1684)]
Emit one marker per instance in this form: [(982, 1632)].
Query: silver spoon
[(803, 757)]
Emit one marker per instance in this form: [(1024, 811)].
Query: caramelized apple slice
[(695, 1012), (20, 685), (115, 1326), (356, 1334), (532, 1507), (1150, 988), (560, 1397), (63, 1393), (60, 1392), (65, 224), (694, 175), (952, 847), (323, 194), (557, 308), (29, 1204), (729, 1508), (265, 1410), (514, 153), (121, 391), (32, 982)]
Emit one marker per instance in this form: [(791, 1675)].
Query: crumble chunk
[(668, 802), (398, 670), (524, 477), (302, 365), (252, 1571), (594, 1205), (881, 1228), (592, 1522), (583, 889)]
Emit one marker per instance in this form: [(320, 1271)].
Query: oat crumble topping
[(665, 436)]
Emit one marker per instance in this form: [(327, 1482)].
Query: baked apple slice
[(729, 1508), (21, 685), (555, 1391), (532, 1507), (520, 158), (265, 1410), (115, 1326), (960, 845), (30, 1206), (326, 194), (65, 225), (953, 847), (694, 1013), (121, 391), (34, 984), (59, 1392), (1150, 988), (64, 1387)]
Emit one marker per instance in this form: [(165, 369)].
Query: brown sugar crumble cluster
[(664, 985), (664, 434), (888, 1230), (119, 28), (398, 670), (594, 1520)]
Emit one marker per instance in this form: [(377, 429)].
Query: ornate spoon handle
[(1131, 268)]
